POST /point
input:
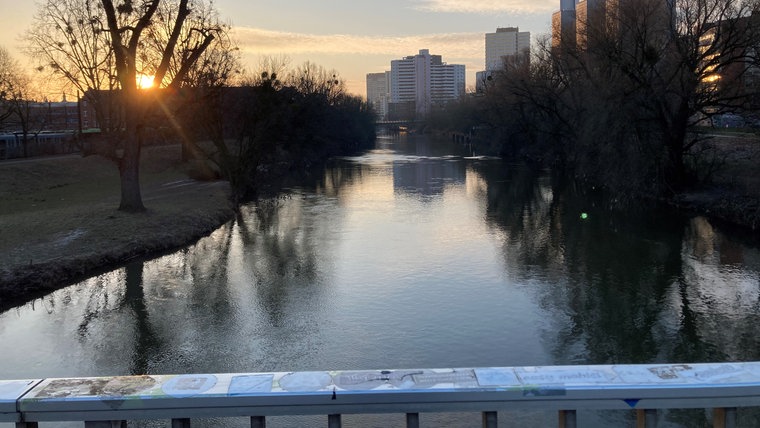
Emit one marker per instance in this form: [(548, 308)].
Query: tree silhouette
[(105, 48)]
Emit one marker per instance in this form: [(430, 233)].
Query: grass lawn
[(58, 217)]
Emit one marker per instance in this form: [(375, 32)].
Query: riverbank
[(732, 194), (59, 223)]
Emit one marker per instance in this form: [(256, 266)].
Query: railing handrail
[(638, 387)]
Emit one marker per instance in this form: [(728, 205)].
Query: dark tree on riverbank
[(274, 127), (106, 50), (668, 69)]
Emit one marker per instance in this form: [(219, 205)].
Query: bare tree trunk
[(129, 171), (676, 174), (129, 166)]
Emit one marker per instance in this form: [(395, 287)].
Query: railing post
[(258, 422), (567, 419), (105, 424), (646, 418), (181, 423), (724, 417), (412, 420), (490, 420), (333, 421)]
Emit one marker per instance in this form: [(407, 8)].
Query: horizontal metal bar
[(178, 397)]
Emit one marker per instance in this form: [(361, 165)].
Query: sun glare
[(144, 82)]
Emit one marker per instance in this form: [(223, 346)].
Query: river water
[(412, 255)]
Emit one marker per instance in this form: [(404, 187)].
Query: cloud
[(450, 45), (488, 6), (355, 55)]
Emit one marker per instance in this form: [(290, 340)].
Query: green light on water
[(584, 216)]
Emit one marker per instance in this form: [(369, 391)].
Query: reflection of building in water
[(427, 176)]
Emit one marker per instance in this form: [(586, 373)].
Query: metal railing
[(107, 401)]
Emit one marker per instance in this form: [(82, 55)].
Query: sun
[(144, 81)]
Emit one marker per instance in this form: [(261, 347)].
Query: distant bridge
[(397, 125), (398, 122)]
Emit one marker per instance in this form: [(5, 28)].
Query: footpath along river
[(412, 255)]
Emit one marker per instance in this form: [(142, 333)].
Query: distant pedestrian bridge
[(394, 126), (642, 389)]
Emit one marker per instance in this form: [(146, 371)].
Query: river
[(412, 255)]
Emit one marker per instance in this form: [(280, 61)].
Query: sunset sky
[(354, 37)]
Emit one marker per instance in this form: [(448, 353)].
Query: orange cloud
[(489, 6), (267, 42)]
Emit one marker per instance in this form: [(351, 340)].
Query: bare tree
[(106, 47), (205, 101), (68, 40), (313, 79), (9, 75), (684, 63), (18, 110)]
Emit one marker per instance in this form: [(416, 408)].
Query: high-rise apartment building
[(378, 92), (424, 80), (563, 25), (582, 23), (505, 45), (590, 21)]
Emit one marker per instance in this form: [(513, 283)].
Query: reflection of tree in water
[(623, 287), (117, 292), (340, 175), (147, 343), (151, 296), (286, 241), (614, 280), (287, 237), (191, 303), (283, 259), (99, 300)]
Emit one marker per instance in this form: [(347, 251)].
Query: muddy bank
[(155, 233), (737, 209)]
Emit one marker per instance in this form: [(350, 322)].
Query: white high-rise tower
[(425, 80)]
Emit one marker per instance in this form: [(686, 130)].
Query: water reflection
[(636, 286), (409, 256)]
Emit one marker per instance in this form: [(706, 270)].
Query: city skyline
[(353, 38)]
